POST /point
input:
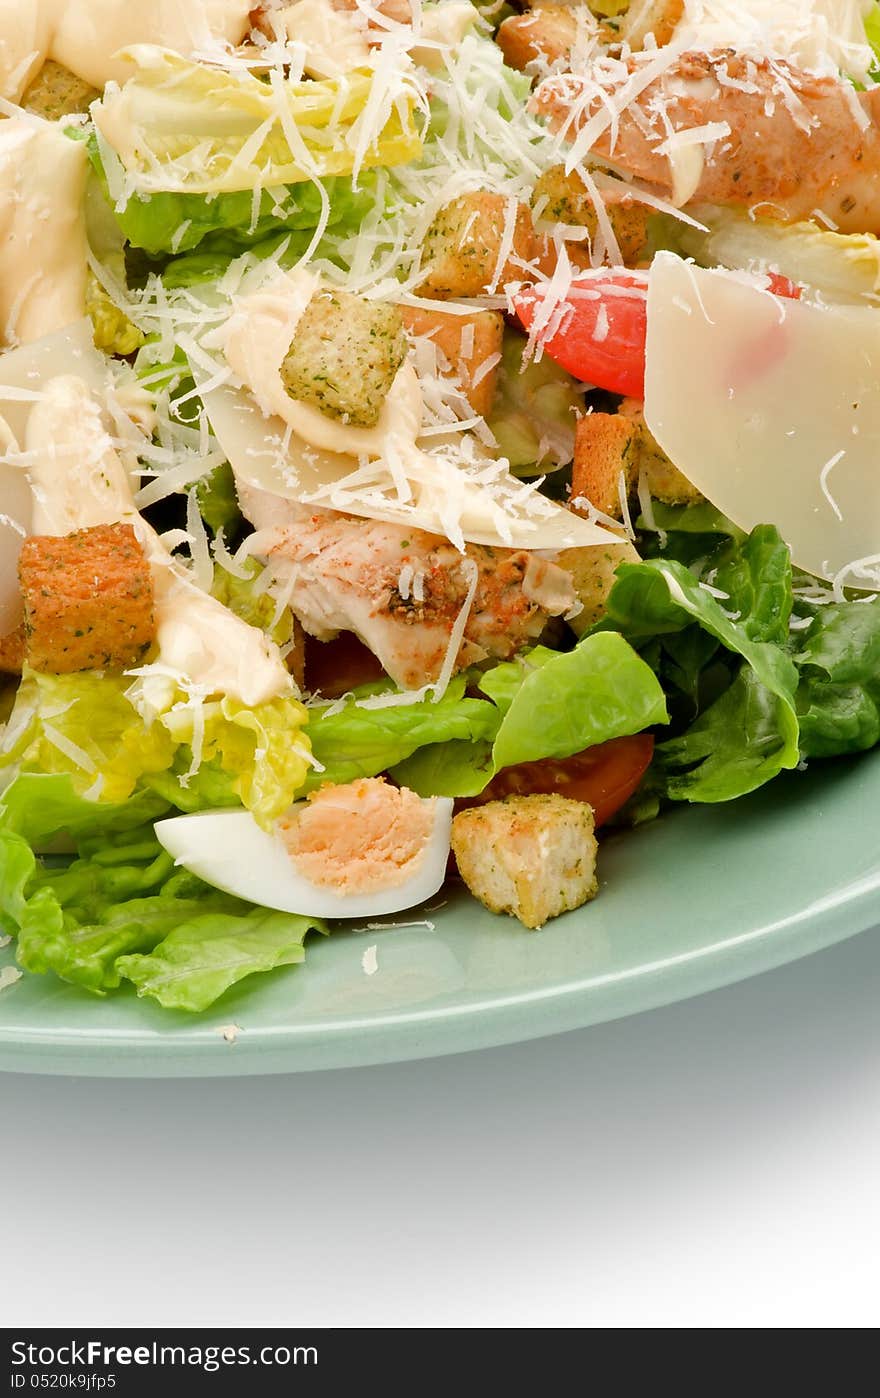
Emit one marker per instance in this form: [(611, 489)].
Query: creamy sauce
[(86, 35), (334, 40), (42, 234), (256, 341), (79, 481), (290, 449)]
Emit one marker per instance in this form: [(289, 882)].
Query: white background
[(710, 1164)]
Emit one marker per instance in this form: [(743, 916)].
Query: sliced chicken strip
[(796, 144), (401, 590)]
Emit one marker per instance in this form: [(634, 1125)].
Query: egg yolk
[(360, 837)]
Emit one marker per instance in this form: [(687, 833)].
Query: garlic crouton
[(56, 92), (613, 452), (605, 461), (467, 344), (663, 480), (88, 600), (546, 34), (563, 198), (533, 857), (592, 572), (12, 651), (464, 245), (344, 357)]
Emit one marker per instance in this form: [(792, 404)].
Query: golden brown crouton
[(466, 344), (12, 651), (664, 481), (547, 34), (657, 17), (56, 92), (345, 354), (88, 600), (592, 573), (464, 243), (608, 444), (533, 857), (563, 198), (605, 448)]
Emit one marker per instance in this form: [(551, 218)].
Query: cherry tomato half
[(598, 331), (605, 776)]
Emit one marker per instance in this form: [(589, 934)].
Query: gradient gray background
[(711, 1164)]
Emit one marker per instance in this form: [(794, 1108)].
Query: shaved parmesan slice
[(481, 504), (288, 448), (755, 398)]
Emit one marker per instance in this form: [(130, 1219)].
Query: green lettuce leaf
[(361, 742), (84, 725), (736, 745), (121, 911), (547, 704), (39, 807), (218, 500), (206, 954), (569, 702), (839, 695), (755, 713), (189, 128), (844, 267), (263, 749)]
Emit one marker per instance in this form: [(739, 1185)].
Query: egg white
[(230, 851)]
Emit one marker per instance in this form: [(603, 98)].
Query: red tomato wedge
[(598, 330), (605, 776)]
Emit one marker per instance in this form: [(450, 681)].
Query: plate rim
[(416, 1034)]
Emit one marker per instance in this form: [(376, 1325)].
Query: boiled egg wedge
[(364, 849)]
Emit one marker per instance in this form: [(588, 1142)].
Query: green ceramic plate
[(696, 900)]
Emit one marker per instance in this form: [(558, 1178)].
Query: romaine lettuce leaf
[(546, 704), (40, 806), (748, 733), (263, 749), (122, 911), (839, 695), (185, 127), (353, 741), (84, 725), (208, 953)]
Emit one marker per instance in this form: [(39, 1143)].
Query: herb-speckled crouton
[(563, 198), (467, 344), (88, 599), (664, 481), (546, 33), (344, 356), (533, 857), (464, 243), (12, 651), (608, 444), (592, 573), (56, 92)]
